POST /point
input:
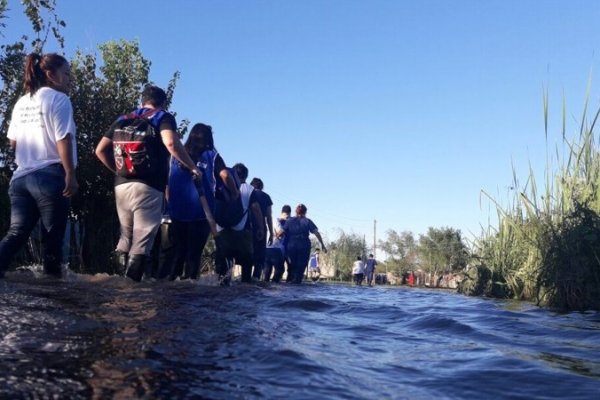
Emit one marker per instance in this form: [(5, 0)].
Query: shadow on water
[(107, 337)]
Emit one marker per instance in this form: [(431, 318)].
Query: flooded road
[(96, 337)]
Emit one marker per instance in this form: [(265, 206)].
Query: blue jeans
[(273, 260), (298, 254), (35, 196)]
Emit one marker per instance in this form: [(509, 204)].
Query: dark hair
[(301, 209), (257, 183), (199, 139), (36, 67), (154, 95), (358, 258), (286, 209), (241, 171)]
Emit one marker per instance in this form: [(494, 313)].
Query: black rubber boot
[(149, 268), (136, 265), (52, 267), (119, 260), (191, 272)]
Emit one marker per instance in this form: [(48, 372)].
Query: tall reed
[(546, 247)]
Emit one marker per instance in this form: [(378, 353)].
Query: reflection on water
[(106, 337)]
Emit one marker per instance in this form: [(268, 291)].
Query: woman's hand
[(71, 185)]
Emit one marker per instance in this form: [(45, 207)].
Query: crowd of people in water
[(157, 178)]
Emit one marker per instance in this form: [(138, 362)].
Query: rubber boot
[(52, 266), (136, 265), (246, 273), (119, 261), (149, 268), (223, 269)]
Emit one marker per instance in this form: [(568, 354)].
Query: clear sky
[(388, 110)]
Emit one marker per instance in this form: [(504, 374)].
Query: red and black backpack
[(136, 144)]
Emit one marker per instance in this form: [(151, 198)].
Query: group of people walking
[(155, 173), (363, 270)]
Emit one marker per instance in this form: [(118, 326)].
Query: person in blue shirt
[(314, 272), (370, 269), (191, 220), (275, 251), (297, 230)]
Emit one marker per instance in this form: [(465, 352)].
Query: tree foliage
[(401, 251), (442, 250), (344, 251)]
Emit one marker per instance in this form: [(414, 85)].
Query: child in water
[(313, 266)]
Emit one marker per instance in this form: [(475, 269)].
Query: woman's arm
[(318, 235), (65, 152)]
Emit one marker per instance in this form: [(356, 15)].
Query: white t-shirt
[(37, 123), (358, 267), (277, 243)]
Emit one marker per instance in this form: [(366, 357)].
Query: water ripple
[(106, 337)]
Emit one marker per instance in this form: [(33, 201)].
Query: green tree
[(343, 253), (442, 250), (401, 251)]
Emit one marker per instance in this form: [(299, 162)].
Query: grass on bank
[(546, 247)]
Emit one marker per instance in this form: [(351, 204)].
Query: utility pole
[(375, 239)]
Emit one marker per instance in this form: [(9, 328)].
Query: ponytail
[(36, 67), (34, 76)]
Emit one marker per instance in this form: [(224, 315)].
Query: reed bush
[(570, 275), (546, 246)]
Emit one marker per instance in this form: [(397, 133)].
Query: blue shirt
[(185, 192), (371, 263), (297, 231)]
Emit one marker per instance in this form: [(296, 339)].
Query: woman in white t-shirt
[(358, 271), (42, 134)]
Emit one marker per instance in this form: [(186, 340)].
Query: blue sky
[(395, 111)]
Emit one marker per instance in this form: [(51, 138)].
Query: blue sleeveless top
[(184, 191)]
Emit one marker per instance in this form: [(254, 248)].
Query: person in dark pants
[(191, 221), (265, 202), (297, 230), (42, 133), (275, 252), (234, 244)]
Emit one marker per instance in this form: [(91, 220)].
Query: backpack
[(136, 145), (229, 212)]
